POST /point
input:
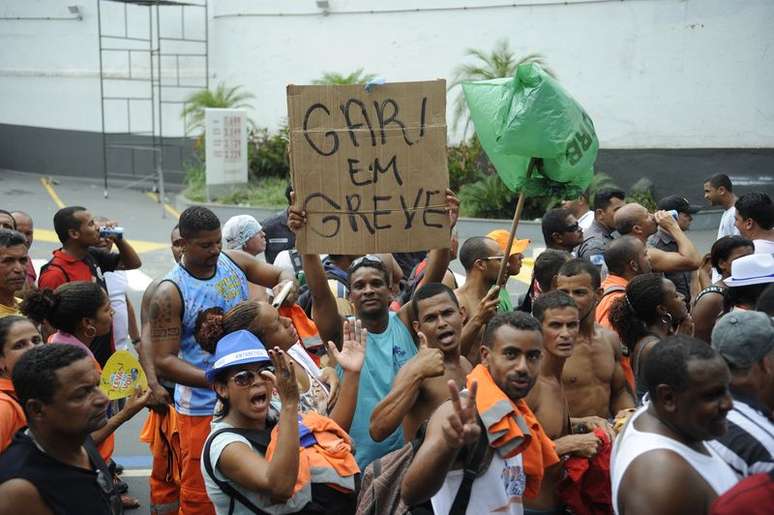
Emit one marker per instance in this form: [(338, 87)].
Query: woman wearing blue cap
[(317, 393), (243, 380), (247, 467)]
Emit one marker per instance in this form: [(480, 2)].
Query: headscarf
[(238, 230)]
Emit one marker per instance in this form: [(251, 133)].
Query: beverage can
[(114, 232)]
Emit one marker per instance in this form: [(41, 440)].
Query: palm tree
[(337, 79), (221, 97), (501, 62)]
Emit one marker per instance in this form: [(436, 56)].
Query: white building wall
[(651, 73)]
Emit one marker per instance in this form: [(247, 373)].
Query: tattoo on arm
[(162, 332)]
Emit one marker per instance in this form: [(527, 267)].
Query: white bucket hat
[(752, 269)]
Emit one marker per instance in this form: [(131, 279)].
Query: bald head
[(627, 256), (635, 220)]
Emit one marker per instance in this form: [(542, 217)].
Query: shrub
[(267, 154)]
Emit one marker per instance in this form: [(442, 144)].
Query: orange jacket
[(328, 461), (504, 419), (11, 413), (305, 327), (160, 432)]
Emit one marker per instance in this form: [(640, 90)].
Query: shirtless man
[(558, 316), (633, 219), (422, 384), (479, 296), (593, 378)]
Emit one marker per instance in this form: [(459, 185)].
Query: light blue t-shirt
[(385, 354), (225, 289)]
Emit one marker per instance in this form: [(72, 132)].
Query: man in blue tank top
[(204, 278), (391, 340)]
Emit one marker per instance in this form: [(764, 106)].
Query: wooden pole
[(502, 276)]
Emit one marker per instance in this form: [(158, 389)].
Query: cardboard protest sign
[(370, 168), (121, 376)]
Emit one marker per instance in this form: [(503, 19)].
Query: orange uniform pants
[(160, 432), (193, 496)]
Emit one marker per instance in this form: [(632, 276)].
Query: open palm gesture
[(353, 347)]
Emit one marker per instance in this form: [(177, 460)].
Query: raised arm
[(129, 259), (264, 274), (165, 313), (452, 426), (470, 339), (389, 414), (277, 477), (686, 259), (437, 259), (350, 359), (325, 310)]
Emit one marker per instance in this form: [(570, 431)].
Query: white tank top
[(498, 490), (632, 443)]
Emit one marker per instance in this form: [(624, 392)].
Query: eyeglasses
[(573, 228), (246, 378), (492, 258)]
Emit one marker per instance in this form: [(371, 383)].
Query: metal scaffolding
[(145, 75)]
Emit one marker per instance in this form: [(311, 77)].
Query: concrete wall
[(653, 74)]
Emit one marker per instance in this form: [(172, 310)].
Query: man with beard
[(660, 462), (53, 466), (558, 315), (206, 277), (421, 385), (593, 378), (13, 266), (391, 341), (492, 412)]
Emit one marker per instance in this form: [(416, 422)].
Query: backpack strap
[(104, 476), (259, 440), (51, 264), (473, 462)]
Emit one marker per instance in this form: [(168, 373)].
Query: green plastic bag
[(531, 115)]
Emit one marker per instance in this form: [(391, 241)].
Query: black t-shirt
[(279, 237), (65, 489), (102, 346)]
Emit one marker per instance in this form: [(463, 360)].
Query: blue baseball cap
[(237, 348)]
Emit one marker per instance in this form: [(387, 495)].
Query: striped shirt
[(748, 445)]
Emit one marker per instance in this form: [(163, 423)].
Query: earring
[(90, 331), (667, 319)]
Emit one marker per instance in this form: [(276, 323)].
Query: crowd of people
[(635, 376)]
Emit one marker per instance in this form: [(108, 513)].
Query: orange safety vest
[(503, 420)]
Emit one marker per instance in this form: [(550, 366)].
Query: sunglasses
[(492, 258), (573, 228), (247, 378)]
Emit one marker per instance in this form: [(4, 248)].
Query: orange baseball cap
[(501, 237)]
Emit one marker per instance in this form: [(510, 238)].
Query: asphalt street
[(141, 216)]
